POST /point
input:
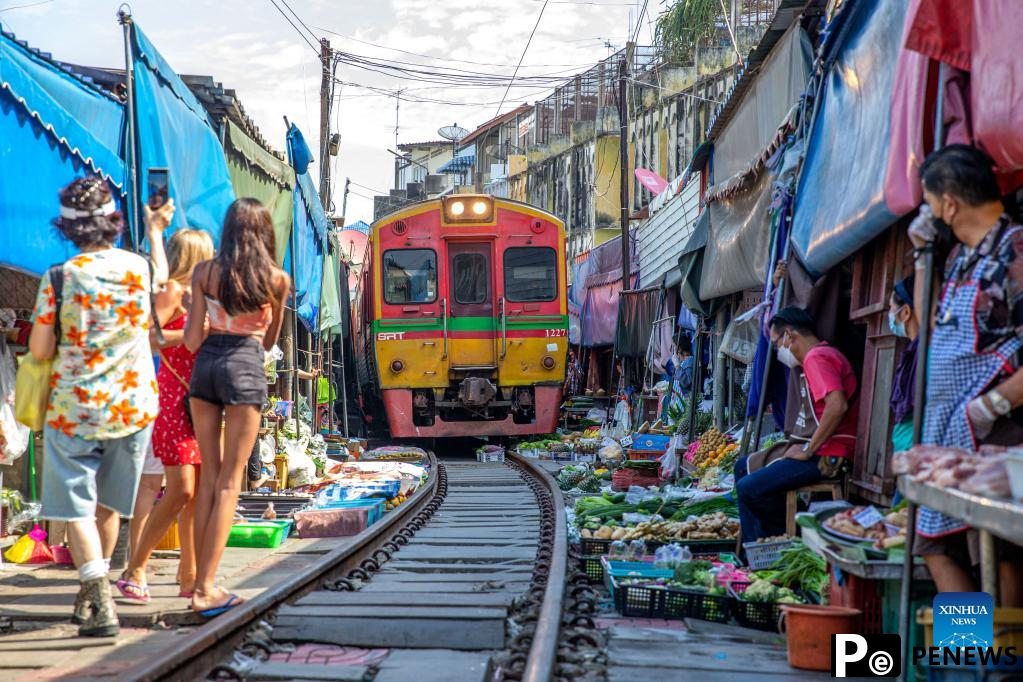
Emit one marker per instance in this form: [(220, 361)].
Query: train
[(460, 320)]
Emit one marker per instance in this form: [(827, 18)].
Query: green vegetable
[(693, 572), (799, 567), (710, 506)]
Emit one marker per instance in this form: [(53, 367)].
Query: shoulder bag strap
[(56, 275), (170, 368)]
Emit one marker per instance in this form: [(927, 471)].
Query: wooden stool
[(834, 487)]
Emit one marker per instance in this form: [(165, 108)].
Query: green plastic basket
[(262, 535)]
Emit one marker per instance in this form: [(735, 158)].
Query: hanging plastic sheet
[(307, 241), (330, 296), (602, 286), (840, 202), (258, 174), (637, 311), (54, 127), (780, 80), (738, 242), (175, 132)]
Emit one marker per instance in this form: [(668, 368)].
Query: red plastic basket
[(644, 455), (863, 594)]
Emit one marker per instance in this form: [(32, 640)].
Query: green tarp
[(257, 173), (330, 297)]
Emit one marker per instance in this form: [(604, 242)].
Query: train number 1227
[(556, 332)]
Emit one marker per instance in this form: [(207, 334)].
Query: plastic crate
[(859, 593), (591, 566), (264, 535), (490, 456), (700, 605), (644, 455), (603, 546), (757, 615), (638, 601), (630, 569), (762, 555), (374, 504)]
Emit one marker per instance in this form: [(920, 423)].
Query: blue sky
[(248, 46)]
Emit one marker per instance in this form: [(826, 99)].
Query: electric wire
[(314, 48), (524, 50), (304, 25)]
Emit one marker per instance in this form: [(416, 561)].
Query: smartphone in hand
[(159, 188)]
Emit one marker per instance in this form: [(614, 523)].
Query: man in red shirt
[(823, 434)]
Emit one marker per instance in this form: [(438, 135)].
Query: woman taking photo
[(243, 292), (103, 398), (173, 438)]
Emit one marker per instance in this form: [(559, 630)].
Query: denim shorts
[(80, 474), (229, 371)]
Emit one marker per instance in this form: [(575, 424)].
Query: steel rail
[(541, 665), (193, 655)]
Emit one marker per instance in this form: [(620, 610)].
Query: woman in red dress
[(173, 438)]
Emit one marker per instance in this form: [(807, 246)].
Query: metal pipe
[(124, 17), (694, 390), (504, 327), (444, 319)]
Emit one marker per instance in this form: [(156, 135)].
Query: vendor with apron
[(974, 385), (822, 439)]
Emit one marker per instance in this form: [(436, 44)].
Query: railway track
[(472, 568)]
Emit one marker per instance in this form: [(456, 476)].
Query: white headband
[(73, 213)]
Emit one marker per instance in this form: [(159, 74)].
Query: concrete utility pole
[(623, 154), (325, 89)]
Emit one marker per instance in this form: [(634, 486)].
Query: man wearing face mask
[(823, 436), (973, 381)]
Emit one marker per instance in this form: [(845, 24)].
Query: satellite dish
[(452, 132)]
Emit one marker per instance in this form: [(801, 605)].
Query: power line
[(528, 41), (26, 6), (297, 29), (450, 59), (314, 36)]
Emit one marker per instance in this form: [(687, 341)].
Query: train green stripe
[(468, 324)]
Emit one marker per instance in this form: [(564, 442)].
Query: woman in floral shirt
[(103, 396)]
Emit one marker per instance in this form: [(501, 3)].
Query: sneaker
[(102, 619), (80, 613)]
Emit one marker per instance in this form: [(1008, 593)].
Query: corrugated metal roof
[(661, 238), (493, 123)]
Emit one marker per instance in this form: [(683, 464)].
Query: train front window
[(530, 274), (410, 276), (469, 278)]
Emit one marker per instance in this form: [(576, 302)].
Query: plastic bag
[(270, 360), (30, 549), (301, 468), (32, 392), (669, 460), (13, 436), (621, 424), (610, 451)]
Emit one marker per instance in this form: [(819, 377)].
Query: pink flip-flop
[(185, 595), (124, 585)]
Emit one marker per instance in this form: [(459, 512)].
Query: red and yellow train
[(461, 319)]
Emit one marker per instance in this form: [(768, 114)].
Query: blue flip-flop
[(232, 601)]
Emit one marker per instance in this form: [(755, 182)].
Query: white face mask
[(786, 357)]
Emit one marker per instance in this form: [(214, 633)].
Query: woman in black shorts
[(243, 292)]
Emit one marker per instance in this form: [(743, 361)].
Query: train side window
[(470, 278), (530, 274), (410, 276)]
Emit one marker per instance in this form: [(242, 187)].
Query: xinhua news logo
[(866, 655)]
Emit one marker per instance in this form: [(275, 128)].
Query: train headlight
[(548, 362), (397, 366), (468, 209)]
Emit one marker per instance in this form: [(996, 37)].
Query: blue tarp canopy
[(462, 162), (840, 203), (175, 132), (54, 127), (309, 234)]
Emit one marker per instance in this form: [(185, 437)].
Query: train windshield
[(530, 274), (410, 276)]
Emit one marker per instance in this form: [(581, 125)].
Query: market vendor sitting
[(822, 438)]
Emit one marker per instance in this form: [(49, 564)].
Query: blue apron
[(957, 373)]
